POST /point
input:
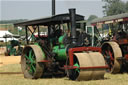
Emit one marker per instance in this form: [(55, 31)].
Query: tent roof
[(3, 33)]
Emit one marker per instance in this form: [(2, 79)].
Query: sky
[(32, 9)]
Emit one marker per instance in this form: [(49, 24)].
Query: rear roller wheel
[(29, 62), (111, 52)]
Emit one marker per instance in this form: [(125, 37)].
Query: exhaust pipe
[(53, 8), (72, 13)]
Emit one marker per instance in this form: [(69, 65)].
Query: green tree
[(126, 6), (91, 17), (113, 7)]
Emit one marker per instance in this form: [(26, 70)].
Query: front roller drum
[(91, 59), (30, 65)]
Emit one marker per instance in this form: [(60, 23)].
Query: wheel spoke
[(33, 67), (30, 70), (108, 55), (27, 57), (111, 57), (30, 54), (33, 59)]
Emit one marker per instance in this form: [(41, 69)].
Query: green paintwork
[(30, 62), (11, 50), (61, 38), (60, 52), (77, 65), (33, 37)]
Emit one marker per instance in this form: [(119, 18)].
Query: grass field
[(18, 79)]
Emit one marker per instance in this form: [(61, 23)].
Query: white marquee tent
[(5, 32)]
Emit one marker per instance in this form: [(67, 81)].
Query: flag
[(110, 32), (19, 28)]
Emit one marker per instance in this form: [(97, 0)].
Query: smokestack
[(72, 13), (53, 7)]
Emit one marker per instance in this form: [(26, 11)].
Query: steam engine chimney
[(72, 13), (53, 8)]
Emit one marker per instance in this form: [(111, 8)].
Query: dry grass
[(5, 60), (11, 68), (18, 79)]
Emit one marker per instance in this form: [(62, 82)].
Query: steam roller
[(63, 51), (79, 66), (115, 45)]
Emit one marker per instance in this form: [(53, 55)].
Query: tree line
[(12, 21), (113, 7)]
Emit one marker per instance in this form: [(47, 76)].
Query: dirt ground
[(5, 60), (18, 79), (12, 65)]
